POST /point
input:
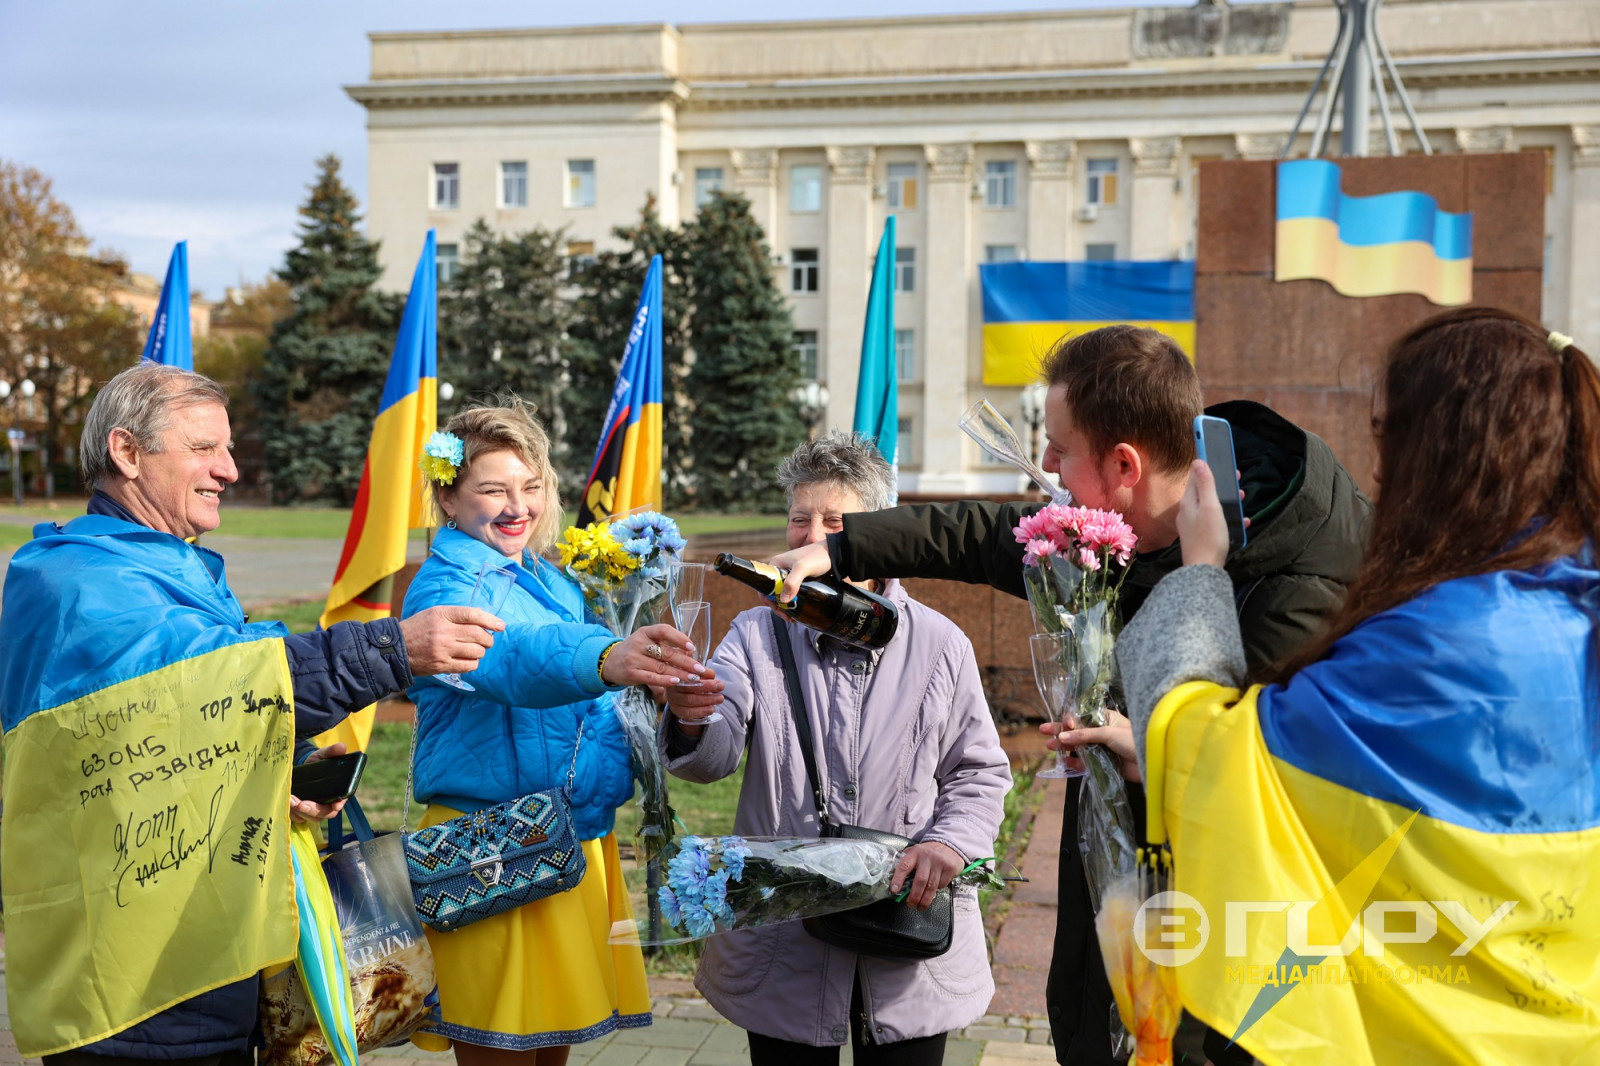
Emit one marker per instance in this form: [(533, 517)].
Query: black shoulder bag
[(889, 928)]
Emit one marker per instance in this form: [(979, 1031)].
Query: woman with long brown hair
[(1432, 753)]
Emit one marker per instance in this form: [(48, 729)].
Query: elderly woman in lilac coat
[(905, 744)]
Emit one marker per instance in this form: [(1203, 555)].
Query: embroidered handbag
[(478, 865), (889, 928)]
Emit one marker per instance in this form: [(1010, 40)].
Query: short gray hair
[(140, 400), (849, 460)]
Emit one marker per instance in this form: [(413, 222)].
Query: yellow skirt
[(543, 975)]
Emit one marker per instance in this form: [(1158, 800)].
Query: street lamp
[(1033, 397), (14, 435), (447, 391), (812, 400)]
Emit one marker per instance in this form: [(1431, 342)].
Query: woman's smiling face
[(497, 500)]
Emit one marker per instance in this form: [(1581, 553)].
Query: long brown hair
[(1488, 436)]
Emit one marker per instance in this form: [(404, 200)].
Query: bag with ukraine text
[(393, 990)]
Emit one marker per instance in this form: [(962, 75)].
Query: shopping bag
[(391, 976)]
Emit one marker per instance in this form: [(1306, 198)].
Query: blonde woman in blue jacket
[(521, 987)]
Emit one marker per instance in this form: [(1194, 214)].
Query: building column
[(755, 174), (1486, 139), (1155, 175), (846, 272), (1050, 174), (1583, 269), (948, 277), (1258, 146)]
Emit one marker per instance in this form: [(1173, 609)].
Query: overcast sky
[(202, 119)]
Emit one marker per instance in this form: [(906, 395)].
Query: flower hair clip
[(441, 458)]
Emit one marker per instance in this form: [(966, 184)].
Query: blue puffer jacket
[(514, 733)]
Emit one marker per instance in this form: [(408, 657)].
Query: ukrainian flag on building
[(1028, 307), (1369, 245), (390, 501)]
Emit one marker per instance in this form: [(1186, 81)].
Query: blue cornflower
[(734, 852), (669, 905), (699, 920)]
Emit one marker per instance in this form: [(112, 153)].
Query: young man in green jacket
[(1119, 435)]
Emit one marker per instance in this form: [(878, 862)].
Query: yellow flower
[(436, 469)]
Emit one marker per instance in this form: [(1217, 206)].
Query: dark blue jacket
[(335, 671)]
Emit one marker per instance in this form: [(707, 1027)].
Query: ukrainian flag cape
[(148, 737), (1398, 863)]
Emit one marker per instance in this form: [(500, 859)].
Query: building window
[(580, 183), (446, 186), (707, 180), (1000, 188), (999, 253), (804, 270), (805, 346), (1100, 253), (1102, 181), (905, 270), (805, 189), (903, 185), (446, 262), (580, 254), (905, 354), (903, 442), (513, 184)]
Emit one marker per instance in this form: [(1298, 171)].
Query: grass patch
[(300, 617), (14, 536)]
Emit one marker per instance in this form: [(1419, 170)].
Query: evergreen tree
[(608, 292), (323, 372), (744, 361), (502, 319)]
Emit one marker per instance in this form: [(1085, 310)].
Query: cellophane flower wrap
[(1146, 993), (624, 569), (719, 884), (1074, 561)]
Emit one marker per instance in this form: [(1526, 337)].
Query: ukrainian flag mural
[(1369, 245), (627, 463), (1028, 307), (389, 501)]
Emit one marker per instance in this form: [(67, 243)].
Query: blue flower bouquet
[(625, 570), (718, 884)]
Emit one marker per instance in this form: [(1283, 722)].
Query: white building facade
[(1064, 135)]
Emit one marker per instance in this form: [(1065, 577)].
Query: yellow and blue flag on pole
[(390, 501), (877, 382), (1369, 245), (1028, 307), (627, 463), (1395, 856), (169, 341)]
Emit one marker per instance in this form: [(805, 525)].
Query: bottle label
[(861, 624), (768, 570)]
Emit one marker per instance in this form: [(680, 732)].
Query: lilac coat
[(907, 745)]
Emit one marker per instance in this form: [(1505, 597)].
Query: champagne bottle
[(827, 604)]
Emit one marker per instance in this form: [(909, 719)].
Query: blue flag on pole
[(877, 385), (627, 463), (169, 340)]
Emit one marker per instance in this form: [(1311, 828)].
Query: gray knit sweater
[(1186, 631)]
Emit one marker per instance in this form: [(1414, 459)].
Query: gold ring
[(655, 652)]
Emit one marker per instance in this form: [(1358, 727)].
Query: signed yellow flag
[(146, 848)]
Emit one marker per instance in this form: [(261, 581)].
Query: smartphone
[(328, 780), (1213, 441)]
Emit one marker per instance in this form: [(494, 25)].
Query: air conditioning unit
[(1088, 212), (780, 259), (880, 192)]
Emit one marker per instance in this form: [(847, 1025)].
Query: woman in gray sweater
[(905, 743)]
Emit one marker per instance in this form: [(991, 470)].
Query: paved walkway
[(687, 1032)]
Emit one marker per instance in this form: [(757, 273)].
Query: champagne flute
[(1051, 652), (687, 583), (488, 592), (994, 435), (694, 621)]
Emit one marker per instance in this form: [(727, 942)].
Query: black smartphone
[(1213, 441), (328, 780)]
